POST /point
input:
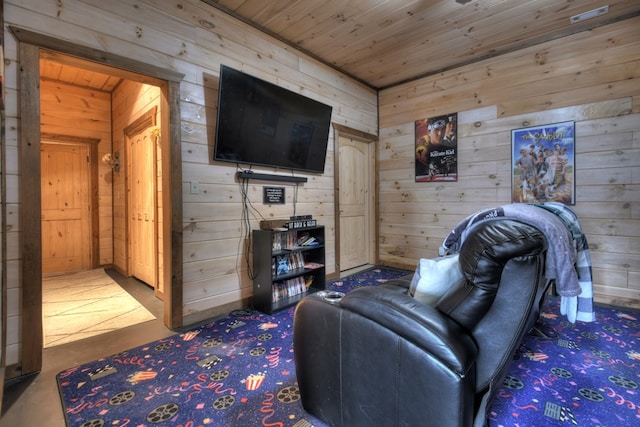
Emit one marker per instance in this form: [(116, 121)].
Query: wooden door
[(66, 207), (141, 179), (355, 172)]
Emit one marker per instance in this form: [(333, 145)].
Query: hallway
[(82, 304)]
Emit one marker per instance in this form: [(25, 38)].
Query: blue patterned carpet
[(239, 371), (587, 375)]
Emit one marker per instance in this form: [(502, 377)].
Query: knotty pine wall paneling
[(193, 39), (592, 78)]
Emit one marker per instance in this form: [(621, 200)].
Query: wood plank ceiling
[(383, 43), (76, 72)]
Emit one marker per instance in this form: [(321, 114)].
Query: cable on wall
[(244, 176), (245, 232), (295, 198)]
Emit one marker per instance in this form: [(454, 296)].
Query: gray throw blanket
[(580, 307), (561, 253)]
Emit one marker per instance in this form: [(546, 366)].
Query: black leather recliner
[(378, 357)]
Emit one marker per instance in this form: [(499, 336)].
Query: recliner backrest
[(503, 263)]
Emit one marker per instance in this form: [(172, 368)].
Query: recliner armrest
[(416, 322), (401, 282), (380, 339)]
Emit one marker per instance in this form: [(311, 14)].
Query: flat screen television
[(260, 123)]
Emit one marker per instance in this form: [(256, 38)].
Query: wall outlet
[(195, 187)]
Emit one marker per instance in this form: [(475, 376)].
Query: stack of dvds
[(284, 264), (289, 288)]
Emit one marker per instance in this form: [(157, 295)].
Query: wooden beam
[(355, 133), (32, 333), (172, 210), (57, 137)]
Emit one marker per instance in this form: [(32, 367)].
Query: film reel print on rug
[(160, 414), (170, 410), (213, 357), (582, 374), (564, 413), (289, 394)]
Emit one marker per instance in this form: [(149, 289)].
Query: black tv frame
[(270, 126)]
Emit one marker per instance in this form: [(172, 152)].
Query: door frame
[(29, 46), (346, 132)]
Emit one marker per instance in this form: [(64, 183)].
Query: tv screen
[(260, 123)]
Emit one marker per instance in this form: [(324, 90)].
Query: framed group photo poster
[(543, 164), (436, 148)]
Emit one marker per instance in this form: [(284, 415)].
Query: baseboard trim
[(11, 372)]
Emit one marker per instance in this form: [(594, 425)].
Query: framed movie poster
[(436, 148), (543, 160)]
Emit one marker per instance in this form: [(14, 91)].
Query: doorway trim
[(30, 44), (347, 132)]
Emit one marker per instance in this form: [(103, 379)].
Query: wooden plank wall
[(592, 78), (190, 38), (3, 291)]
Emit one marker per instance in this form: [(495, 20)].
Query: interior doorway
[(96, 115), (31, 47)]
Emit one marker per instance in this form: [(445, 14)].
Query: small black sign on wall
[(273, 195)]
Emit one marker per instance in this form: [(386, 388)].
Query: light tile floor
[(84, 304)]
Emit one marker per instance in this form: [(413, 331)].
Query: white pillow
[(434, 277)]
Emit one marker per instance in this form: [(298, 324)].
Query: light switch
[(195, 187)]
